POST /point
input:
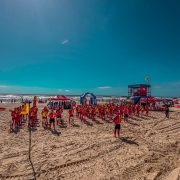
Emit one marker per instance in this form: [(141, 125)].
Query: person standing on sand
[(59, 113), (167, 110), (14, 116), (44, 114), (125, 114), (71, 112), (117, 121), (147, 110), (52, 116)]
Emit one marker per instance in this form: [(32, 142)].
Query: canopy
[(60, 98)]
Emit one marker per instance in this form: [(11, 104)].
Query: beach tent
[(60, 98)]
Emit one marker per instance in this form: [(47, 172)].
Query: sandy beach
[(148, 149)]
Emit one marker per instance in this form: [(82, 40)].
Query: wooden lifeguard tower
[(138, 91), (142, 90)]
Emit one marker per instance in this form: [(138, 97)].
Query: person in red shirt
[(71, 112), (130, 111), (121, 111), (111, 113), (142, 110), (133, 110), (137, 110), (93, 113), (35, 109), (30, 121), (83, 112), (77, 114), (52, 116), (125, 114), (14, 116), (117, 121), (58, 117), (103, 113), (147, 110), (17, 117)]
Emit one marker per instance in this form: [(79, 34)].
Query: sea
[(8, 98), (18, 98)]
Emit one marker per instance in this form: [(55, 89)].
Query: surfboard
[(2, 109)]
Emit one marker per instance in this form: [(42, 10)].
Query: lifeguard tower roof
[(139, 85)]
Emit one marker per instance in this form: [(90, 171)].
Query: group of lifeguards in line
[(111, 111), (18, 117)]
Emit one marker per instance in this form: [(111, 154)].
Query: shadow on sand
[(55, 132), (75, 125), (144, 117), (32, 129), (134, 124), (15, 131), (108, 121), (98, 122), (89, 123), (63, 126), (129, 141)]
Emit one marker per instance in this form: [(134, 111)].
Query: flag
[(25, 110), (147, 79), (34, 101)]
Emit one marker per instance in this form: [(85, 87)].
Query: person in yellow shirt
[(44, 114)]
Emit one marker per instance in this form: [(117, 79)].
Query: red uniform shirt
[(117, 120), (52, 115)]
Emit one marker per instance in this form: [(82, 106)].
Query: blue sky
[(74, 46)]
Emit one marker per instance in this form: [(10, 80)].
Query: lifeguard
[(125, 114), (52, 116), (58, 118), (71, 120), (44, 114), (147, 110), (117, 121), (14, 116)]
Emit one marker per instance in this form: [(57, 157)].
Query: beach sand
[(149, 148)]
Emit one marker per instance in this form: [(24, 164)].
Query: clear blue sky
[(101, 46)]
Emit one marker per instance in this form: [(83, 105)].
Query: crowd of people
[(18, 117), (111, 111)]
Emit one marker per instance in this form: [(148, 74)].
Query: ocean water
[(7, 98)]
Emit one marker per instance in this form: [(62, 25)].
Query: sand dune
[(148, 149)]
